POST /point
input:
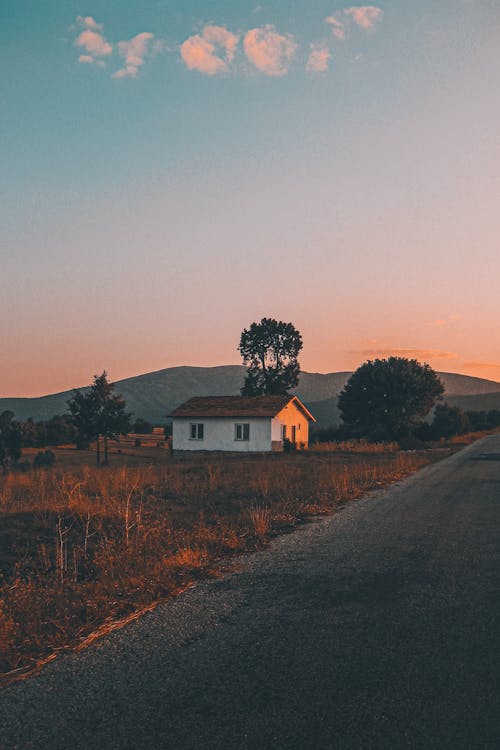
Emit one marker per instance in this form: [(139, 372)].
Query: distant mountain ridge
[(154, 395)]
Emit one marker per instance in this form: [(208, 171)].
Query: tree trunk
[(98, 450), (105, 449)]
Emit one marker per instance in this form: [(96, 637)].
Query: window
[(283, 431), (242, 431), (196, 431)]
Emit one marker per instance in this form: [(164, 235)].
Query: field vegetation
[(84, 548)]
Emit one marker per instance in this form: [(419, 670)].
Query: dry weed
[(79, 548), (260, 517)]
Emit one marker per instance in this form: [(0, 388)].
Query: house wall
[(290, 416), (219, 434)]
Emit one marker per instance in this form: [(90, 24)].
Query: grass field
[(83, 547)]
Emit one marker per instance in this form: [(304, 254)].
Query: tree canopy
[(449, 420), (270, 350), (99, 412), (10, 441), (387, 398)]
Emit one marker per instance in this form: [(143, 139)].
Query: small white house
[(240, 423)]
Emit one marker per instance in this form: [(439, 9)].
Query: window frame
[(242, 427), (196, 433)]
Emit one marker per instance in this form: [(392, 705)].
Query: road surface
[(375, 628)]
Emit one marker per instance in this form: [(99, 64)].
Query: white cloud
[(92, 41), (422, 354), (319, 58), (440, 322), (270, 51), (338, 27), (210, 52), (133, 52), (365, 16), (89, 23)]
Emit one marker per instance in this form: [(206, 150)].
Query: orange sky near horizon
[(341, 175), (450, 347)]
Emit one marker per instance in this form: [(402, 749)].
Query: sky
[(172, 171)]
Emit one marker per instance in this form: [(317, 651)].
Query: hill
[(155, 394)]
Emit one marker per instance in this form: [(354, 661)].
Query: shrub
[(44, 459), (448, 421)]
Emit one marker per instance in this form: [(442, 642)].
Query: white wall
[(291, 416), (218, 434)]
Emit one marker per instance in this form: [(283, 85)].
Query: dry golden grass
[(82, 547), (354, 446)]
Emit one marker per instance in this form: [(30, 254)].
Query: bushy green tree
[(385, 399), (270, 352)]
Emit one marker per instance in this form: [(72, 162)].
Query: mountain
[(155, 394), (472, 402)]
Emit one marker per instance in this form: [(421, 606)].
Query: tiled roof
[(234, 406)]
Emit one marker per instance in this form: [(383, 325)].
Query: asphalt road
[(375, 628)]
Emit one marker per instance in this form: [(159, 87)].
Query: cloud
[(411, 353), (89, 23), (133, 52), (482, 365), (269, 51), (92, 41), (338, 28), (210, 52), (446, 321), (159, 46), (319, 58), (365, 16)]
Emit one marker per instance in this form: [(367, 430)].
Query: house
[(240, 423)]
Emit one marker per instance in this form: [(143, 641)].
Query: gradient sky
[(174, 170)]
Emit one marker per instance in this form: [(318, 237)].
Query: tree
[(99, 413), (386, 398), (142, 426), (28, 433), (11, 441), (448, 421), (270, 350), (59, 430), (83, 408)]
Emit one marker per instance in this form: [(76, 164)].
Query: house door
[(294, 430)]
